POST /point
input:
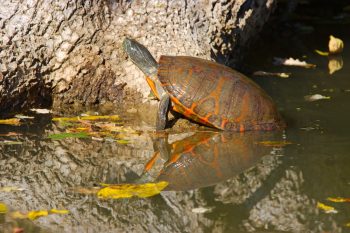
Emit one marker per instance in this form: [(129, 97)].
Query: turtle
[(204, 91)]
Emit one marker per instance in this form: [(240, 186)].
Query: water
[(239, 181)]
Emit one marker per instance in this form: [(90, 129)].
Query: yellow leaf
[(8, 189), (32, 215), (322, 53), (335, 45), (87, 118), (338, 199), (56, 211), (274, 143), (11, 121), (3, 208), (327, 209), (347, 224), (130, 190), (18, 215)]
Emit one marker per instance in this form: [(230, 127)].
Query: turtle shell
[(216, 95)]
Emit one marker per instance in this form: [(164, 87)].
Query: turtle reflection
[(207, 158)]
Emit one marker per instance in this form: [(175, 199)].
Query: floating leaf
[(68, 135), (315, 97), (327, 209), (7, 142), (35, 214), (41, 110), (292, 62), (8, 189), (322, 53), (82, 190), (280, 75), (130, 190), (335, 45), (11, 121), (338, 199), (18, 215), (201, 210), (32, 215), (87, 118), (56, 211), (274, 143), (3, 208), (122, 141), (10, 134), (19, 116)]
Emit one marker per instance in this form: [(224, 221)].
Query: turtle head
[(140, 56)]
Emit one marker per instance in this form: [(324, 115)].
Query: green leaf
[(322, 53), (122, 141), (68, 135)]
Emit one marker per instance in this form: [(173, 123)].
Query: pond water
[(218, 182)]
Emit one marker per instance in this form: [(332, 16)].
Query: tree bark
[(64, 52)]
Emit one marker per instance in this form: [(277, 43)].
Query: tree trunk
[(69, 51)]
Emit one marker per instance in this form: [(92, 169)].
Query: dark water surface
[(218, 182)]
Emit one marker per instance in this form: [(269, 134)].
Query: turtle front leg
[(163, 109)]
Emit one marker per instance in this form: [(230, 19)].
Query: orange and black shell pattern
[(216, 95)]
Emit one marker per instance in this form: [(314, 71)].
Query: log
[(69, 51)]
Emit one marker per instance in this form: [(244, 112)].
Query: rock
[(70, 51)]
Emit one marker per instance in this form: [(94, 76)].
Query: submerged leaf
[(322, 53), (327, 209), (335, 45), (338, 199), (3, 208), (41, 110), (11, 121), (274, 143), (292, 62), (130, 190), (68, 135), (315, 97)]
